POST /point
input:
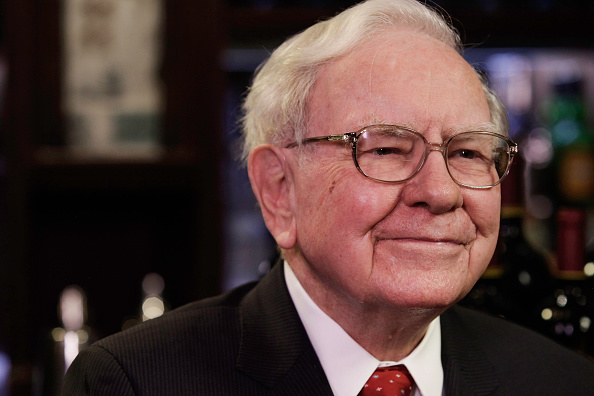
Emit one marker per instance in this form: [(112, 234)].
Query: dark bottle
[(153, 304), (566, 314), (526, 277), (64, 343), (518, 276), (588, 326)]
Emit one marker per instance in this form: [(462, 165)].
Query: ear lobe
[(271, 183)]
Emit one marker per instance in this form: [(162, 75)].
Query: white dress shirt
[(347, 365)]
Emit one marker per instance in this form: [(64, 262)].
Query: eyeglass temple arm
[(513, 148), (346, 137)]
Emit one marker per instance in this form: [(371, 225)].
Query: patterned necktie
[(389, 381)]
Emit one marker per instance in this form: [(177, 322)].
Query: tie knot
[(389, 381)]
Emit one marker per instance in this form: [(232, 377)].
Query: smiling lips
[(427, 243), (455, 238), (440, 241)]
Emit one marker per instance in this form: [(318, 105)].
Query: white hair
[(275, 109)]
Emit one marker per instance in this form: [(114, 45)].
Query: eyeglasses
[(395, 154)]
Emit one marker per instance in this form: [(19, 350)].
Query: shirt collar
[(346, 364)]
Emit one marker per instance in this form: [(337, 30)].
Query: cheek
[(339, 208), (484, 210), (363, 203), (334, 189)]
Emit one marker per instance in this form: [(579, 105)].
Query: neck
[(389, 333)]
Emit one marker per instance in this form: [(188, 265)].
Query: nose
[(433, 186)]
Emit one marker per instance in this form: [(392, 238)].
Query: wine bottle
[(588, 327), (566, 314), (526, 277), (518, 276), (64, 342), (572, 140)]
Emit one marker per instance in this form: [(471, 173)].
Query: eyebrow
[(375, 120), (484, 127)]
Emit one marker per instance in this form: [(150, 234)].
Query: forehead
[(401, 77)]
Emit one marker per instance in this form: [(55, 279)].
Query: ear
[(271, 181)]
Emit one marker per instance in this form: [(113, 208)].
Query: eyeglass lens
[(392, 154)]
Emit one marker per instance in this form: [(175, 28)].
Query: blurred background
[(121, 195)]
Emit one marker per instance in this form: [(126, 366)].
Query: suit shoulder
[(96, 369), (185, 347), (197, 325), (511, 345)]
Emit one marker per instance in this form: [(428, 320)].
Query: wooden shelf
[(73, 156)]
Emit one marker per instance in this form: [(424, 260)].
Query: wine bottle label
[(576, 175)]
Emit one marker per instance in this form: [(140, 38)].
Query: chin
[(432, 304), (427, 296)]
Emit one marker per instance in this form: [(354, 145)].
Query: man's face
[(422, 243)]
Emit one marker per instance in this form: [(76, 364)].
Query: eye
[(469, 158), (382, 151), (466, 153)]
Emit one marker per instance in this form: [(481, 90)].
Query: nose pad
[(436, 147), (441, 149), (429, 147), (433, 186)]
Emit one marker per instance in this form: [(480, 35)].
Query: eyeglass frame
[(353, 137)]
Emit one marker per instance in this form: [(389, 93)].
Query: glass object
[(518, 276), (64, 342), (566, 314), (526, 278), (394, 154), (572, 139)]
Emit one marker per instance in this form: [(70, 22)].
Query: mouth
[(425, 244), (428, 240)]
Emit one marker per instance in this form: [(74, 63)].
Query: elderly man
[(376, 153)]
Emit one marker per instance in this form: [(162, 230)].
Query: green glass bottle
[(573, 143)]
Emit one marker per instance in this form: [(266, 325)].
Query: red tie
[(389, 381)]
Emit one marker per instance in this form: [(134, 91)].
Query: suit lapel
[(276, 351), (466, 370), (274, 344)]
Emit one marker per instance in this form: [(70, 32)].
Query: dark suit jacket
[(250, 341)]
